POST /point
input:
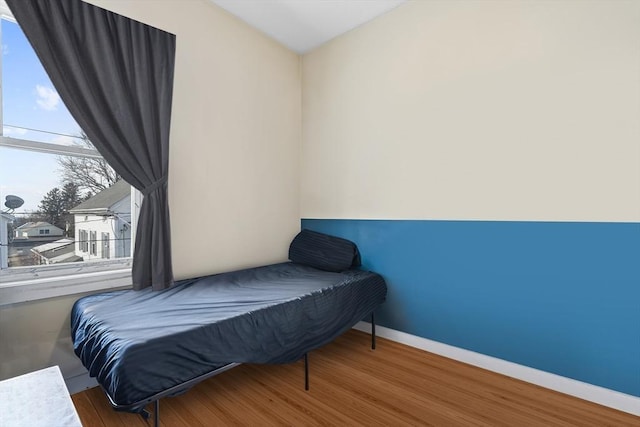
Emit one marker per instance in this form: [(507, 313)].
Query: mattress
[(139, 343)]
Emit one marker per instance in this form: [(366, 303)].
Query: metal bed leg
[(306, 372), (156, 415), (373, 332)]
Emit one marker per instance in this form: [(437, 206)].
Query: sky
[(29, 100)]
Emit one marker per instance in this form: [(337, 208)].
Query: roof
[(53, 245), (32, 225), (103, 201), (58, 251)]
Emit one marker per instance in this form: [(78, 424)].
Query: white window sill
[(43, 285)]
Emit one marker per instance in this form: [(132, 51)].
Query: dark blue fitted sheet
[(140, 343)]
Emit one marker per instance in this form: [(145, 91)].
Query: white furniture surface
[(37, 399)]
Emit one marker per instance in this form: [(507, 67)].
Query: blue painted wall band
[(563, 297)]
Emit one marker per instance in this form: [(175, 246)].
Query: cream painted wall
[(491, 110), (482, 110), (235, 137), (233, 173), (35, 335)]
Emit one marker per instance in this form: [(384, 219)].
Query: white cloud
[(11, 131), (5, 49), (48, 99)]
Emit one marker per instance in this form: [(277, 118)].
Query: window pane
[(106, 246), (61, 220), (68, 202), (31, 107), (28, 175)]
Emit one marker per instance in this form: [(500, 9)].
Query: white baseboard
[(80, 383), (600, 395)]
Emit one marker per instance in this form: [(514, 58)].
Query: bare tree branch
[(89, 174)]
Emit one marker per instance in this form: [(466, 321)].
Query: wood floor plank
[(353, 385), (446, 394), (199, 402), (86, 411), (289, 391), (108, 415), (260, 397)]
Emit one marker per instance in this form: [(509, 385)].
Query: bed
[(145, 345)]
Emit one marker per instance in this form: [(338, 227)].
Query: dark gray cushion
[(323, 251)]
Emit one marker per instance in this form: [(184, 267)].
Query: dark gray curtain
[(115, 76)]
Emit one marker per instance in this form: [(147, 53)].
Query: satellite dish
[(13, 202)]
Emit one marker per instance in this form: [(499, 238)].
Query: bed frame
[(321, 287), (177, 389)]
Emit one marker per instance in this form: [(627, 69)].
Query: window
[(106, 245), (60, 203), (83, 241), (93, 244)]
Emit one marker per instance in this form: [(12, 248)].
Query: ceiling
[(303, 25)]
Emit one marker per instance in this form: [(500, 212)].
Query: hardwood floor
[(350, 384)]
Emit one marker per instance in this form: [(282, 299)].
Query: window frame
[(105, 253), (93, 243), (83, 245), (22, 284)]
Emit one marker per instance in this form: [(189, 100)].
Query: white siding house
[(31, 230), (103, 224), (5, 219)]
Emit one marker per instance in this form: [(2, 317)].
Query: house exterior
[(39, 229), (5, 219), (55, 252), (103, 224)]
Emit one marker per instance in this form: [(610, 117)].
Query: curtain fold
[(115, 75)]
